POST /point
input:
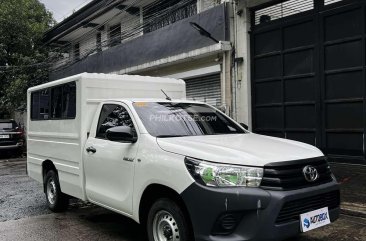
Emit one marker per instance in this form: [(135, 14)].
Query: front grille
[(289, 175), (291, 210)]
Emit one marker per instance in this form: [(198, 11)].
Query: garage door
[(205, 89), (308, 81)]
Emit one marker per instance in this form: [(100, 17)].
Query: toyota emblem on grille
[(310, 173)]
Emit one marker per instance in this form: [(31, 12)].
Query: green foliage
[(22, 24)]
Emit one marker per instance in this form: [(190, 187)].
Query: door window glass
[(111, 116)]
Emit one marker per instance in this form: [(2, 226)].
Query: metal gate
[(308, 74), (205, 88)]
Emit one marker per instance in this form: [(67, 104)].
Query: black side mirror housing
[(246, 127), (121, 134)]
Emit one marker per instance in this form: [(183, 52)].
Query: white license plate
[(4, 136), (314, 219)]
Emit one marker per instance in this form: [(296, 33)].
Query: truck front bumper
[(242, 214)]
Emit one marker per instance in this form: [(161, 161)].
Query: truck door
[(109, 165)]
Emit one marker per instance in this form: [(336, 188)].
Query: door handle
[(127, 159), (91, 149)]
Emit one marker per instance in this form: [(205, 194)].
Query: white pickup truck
[(183, 169)]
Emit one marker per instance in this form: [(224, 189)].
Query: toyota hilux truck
[(182, 169)]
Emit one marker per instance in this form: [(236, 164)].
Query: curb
[(355, 210), (353, 213)]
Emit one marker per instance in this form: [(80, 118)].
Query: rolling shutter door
[(205, 89)]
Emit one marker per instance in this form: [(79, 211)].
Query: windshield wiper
[(167, 136)]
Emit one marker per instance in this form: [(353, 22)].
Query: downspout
[(234, 77)]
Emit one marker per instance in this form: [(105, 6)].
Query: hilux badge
[(310, 173)]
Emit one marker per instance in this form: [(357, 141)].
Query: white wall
[(242, 70)]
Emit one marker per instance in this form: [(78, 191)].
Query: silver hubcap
[(165, 227), (51, 191)]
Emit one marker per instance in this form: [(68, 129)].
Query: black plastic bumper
[(258, 210), (11, 147)]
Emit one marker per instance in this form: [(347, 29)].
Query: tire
[(166, 221), (18, 153), (56, 200)]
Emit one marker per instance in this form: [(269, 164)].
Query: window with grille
[(115, 35), (327, 2), (282, 10), (163, 13), (77, 51), (99, 41)]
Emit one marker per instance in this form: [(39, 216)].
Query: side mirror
[(246, 127), (121, 133)]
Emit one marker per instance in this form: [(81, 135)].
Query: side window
[(40, 102), (57, 102), (35, 105), (111, 116), (44, 102), (69, 100)]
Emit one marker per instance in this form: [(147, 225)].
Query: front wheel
[(167, 222), (56, 200)]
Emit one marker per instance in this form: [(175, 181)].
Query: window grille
[(282, 10)]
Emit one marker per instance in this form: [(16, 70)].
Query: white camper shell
[(62, 139)]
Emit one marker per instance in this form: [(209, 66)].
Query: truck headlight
[(222, 175)]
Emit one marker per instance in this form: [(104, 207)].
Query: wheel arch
[(154, 192), (47, 166)]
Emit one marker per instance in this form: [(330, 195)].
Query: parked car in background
[(11, 138)]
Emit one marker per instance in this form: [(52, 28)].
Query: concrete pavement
[(93, 223), (19, 196), (352, 179), (24, 216)]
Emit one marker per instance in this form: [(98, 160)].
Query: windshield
[(4, 126), (184, 119)]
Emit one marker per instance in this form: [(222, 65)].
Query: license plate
[(4, 136), (314, 219)]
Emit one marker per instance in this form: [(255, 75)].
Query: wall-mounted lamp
[(203, 31)]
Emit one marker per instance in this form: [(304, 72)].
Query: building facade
[(293, 69)]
